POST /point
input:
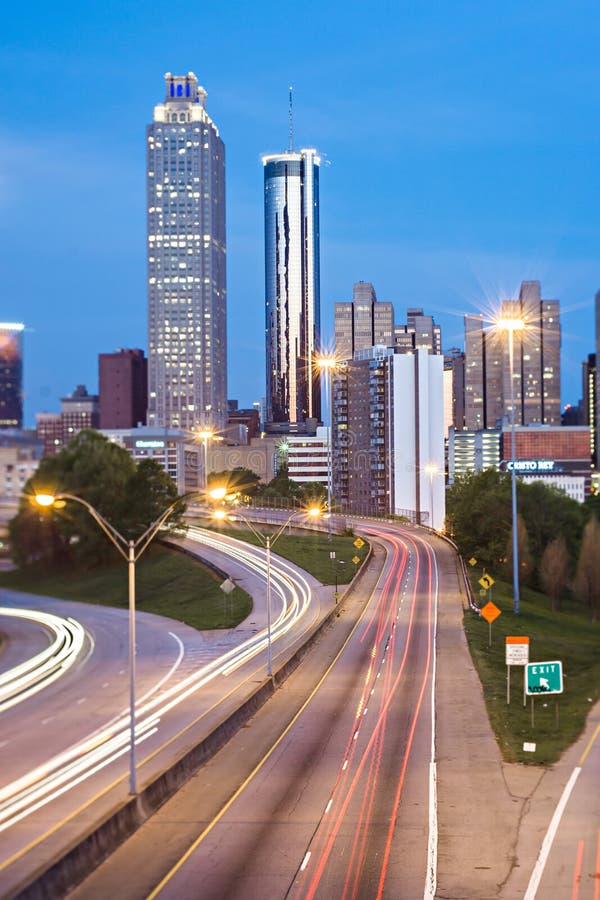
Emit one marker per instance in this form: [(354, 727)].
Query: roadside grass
[(568, 636), (308, 549), (168, 583)]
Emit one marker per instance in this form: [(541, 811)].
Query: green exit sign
[(544, 678)]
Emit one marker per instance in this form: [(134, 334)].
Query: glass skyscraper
[(187, 329), (11, 374), (292, 286)]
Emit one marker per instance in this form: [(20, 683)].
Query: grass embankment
[(310, 550), (567, 636), (168, 583)]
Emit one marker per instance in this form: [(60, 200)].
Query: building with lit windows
[(11, 374), (362, 322), (557, 456), (187, 333), (472, 451), (536, 364), (173, 450), (292, 287)]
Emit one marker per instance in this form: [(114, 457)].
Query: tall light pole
[(205, 436), (327, 365), (510, 326), (131, 551), (267, 540)]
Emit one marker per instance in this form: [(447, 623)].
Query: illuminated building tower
[(11, 375), (292, 286), (363, 322), (536, 364), (187, 363)]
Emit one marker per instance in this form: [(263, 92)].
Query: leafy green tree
[(525, 561), (104, 475), (313, 492), (554, 570), (549, 513), (587, 576), (479, 505), (281, 487)]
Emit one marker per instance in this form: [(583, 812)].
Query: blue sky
[(460, 144)]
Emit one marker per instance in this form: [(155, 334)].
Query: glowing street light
[(267, 540), (205, 436), (328, 364), (131, 551), (510, 325)]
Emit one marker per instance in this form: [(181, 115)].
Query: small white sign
[(517, 654), (529, 748)]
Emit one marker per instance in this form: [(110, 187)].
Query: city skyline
[(480, 174)]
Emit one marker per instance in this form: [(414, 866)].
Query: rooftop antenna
[(291, 120)]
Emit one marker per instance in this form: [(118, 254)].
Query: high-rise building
[(79, 410), (292, 286), (362, 322), (123, 380), (11, 374), (420, 331), (589, 404), (536, 366), (187, 362), (388, 434)]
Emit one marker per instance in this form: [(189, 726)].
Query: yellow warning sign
[(486, 581), (358, 543), (472, 561), (356, 560)]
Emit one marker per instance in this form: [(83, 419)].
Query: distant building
[(589, 405), (292, 287), (388, 435), (307, 457), (536, 364), (362, 322), (559, 456), (419, 333), (11, 375), (20, 454), (175, 451), (78, 411), (123, 381), (454, 373), (187, 328), (250, 418), (472, 451)]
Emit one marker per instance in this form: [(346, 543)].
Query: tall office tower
[(363, 322), (292, 286), (388, 434), (11, 374), (597, 380), (536, 364), (589, 405), (454, 387), (187, 358), (123, 380), (419, 332)]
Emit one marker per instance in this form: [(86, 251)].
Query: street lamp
[(327, 364), (131, 551), (510, 325), (267, 540), (205, 436)]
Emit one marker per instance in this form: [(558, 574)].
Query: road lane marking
[(432, 841), (577, 872), (589, 745), (305, 861), (328, 807)]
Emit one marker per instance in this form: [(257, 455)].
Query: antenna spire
[(291, 120)]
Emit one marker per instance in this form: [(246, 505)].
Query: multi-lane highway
[(331, 791), (65, 749)]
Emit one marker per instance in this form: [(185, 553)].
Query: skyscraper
[(292, 286), (123, 380), (11, 375), (536, 364), (363, 322), (187, 363)]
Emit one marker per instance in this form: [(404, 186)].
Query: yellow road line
[(589, 746)]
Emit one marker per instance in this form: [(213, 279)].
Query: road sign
[(544, 678), (517, 651), (358, 543), (486, 581), (472, 561), (227, 586), (490, 612), (356, 560)]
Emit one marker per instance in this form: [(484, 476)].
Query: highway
[(78, 758), (331, 790)]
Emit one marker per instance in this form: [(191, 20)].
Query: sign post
[(517, 654)]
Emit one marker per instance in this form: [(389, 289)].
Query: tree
[(313, 492), (587, 576), (524, 555), (280, 487), (101, 473), (554, 570)]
